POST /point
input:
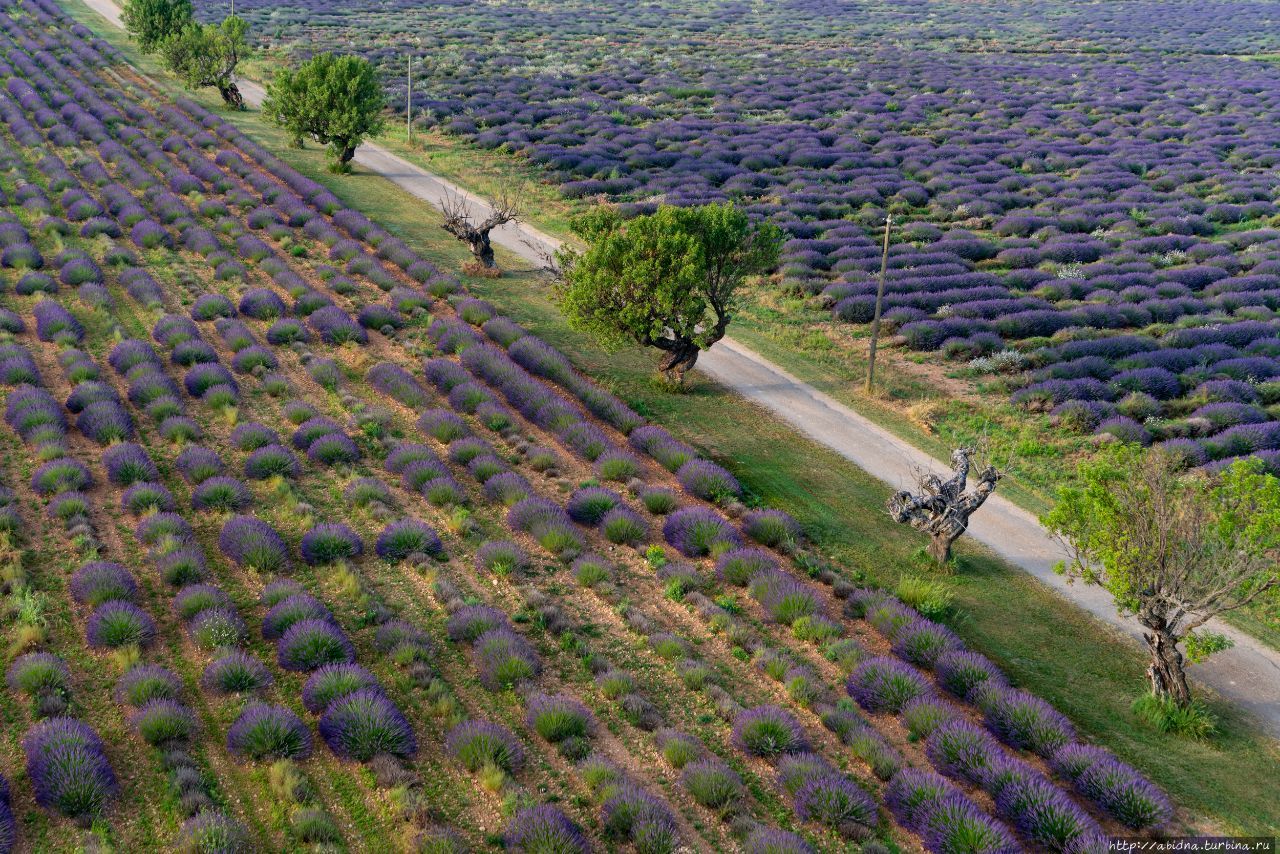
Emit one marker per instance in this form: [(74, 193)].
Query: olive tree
[(460, 220), (150, 22), (1173, 548), (207, 55), (668, 280), (941, 508), (335, 100)]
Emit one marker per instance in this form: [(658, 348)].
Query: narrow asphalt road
[(1248, 673)]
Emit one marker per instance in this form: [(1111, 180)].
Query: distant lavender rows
[(1141, 199)]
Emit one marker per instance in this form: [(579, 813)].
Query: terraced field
[(307, 547)]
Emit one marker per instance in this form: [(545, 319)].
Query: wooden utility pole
[(875, 320), (408, 106)]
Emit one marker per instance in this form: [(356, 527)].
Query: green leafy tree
[(669, 280), (150, 22), (207, 55), (335, 100), (1173, 548)]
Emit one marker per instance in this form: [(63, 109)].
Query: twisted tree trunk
[(481, 248), (942, 509), (230, 93), (1167, 670), (680, 359)]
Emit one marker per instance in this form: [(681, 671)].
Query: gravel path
[(1248, 674)]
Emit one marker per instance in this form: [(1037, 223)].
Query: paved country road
[(1248, 674)]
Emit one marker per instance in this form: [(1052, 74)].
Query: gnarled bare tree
[(942, 508), (460, 220)]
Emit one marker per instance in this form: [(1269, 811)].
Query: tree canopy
[(335, 100), (668, 280), (1173, 548), (207, 55), (150, 22)]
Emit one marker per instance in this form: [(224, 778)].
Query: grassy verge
[(1042, 642)]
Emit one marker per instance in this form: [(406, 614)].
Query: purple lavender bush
[(699, 531), (885, 685), (310, 644), (479, 744), (68, 768), (544, 829), (365, 724), (768, 731), (332, 681), (253, 544), (266, 732)]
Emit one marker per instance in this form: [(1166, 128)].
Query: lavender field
[(1084, 205), (305, 547)]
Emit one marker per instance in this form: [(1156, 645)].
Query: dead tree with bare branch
[(942, 508), (462, 222)]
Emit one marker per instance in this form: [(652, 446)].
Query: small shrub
[(501, 557), (332, 681), (623, 527), (929, 596), (835, 801), (961, 671), (253, 544), (1124, 795), (708, 481), (912, 793), (767, 731), (739, 566), (923, 642), (116, 624), (544, 830), (216, 628), (771, 840), (588, 506), (292, 610), (68, 768), (329, 543), (236, 673), (363, 724), (406, 537), (221, 494), (1026, 722), (659, 502), (961, 750), (678, 748), (212, 832), (271, 461), (195, 598), (955, 823), (471, 621), (698, 531), (146, 682), (478, 744), (37, 673), (558, 717), (590, 570), (925, 714), (885, 685), (1162, 715), (504, 659), (100, 581), (617, 466), (711, 783), (311, 644), (163, 722), (771, 528), (264, 731)]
